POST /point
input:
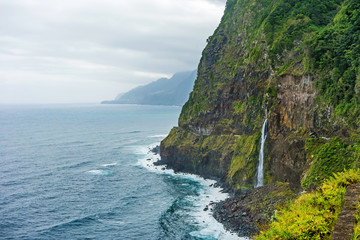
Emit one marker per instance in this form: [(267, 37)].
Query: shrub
[(312, 215)]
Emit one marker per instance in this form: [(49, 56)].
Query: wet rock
[(155, 150)]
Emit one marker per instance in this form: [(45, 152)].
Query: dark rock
[(244, 214), (155, 150)]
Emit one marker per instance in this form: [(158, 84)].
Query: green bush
[(312, 215), (328, 158)]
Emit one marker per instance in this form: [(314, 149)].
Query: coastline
[(211, 195), (245, 213)]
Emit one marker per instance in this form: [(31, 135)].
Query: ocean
[(84, 171)]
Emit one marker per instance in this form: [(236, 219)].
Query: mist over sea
[(84, 172)]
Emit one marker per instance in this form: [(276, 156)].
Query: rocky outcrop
[(248, 213)]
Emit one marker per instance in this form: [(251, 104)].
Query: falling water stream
[(260, 170)]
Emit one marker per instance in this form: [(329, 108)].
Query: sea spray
[(260, 170)]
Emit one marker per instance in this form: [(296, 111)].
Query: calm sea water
[(84, 172)]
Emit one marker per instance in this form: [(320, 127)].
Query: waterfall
[(260, 170)]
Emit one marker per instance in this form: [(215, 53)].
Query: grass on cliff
[(328, 157), (312, 215), (326, 34), (317, 37), (243, 162)]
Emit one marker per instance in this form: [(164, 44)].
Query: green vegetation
[(183, 140), (336, 49), (293, 21), (239, 107), (283, 191), (244, 160), (272, 92), (315, 37), (242, 79), (240, 152), (326, 158), (327, 34), (273, 199), (312, 215)]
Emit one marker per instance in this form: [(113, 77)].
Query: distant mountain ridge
[(164, 91)]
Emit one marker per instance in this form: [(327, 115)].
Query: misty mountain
[(164, 91)]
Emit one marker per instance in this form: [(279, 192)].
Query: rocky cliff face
[(267, 60)]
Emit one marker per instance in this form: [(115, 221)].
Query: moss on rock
[(327, 157)]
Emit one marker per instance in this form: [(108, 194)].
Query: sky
[(78, 51)]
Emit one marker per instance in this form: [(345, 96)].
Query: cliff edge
[(295, 63)]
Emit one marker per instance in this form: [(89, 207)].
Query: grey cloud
[(220, 2), (103, 41)]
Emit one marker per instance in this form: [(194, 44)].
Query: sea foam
[(99, 172), (158, 136), (209, 195), (109, 164)]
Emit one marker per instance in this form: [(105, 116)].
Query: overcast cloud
[(90, 50)]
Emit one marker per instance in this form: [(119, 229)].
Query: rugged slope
[(173, 91), (295, 63)]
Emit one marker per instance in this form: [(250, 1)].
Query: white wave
[(209, 227), (158, 136), (109, 164), (98, 172), (142, 150)]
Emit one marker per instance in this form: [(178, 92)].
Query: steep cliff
[(295, 63)]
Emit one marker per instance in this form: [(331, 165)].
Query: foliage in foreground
[(312, 215)]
